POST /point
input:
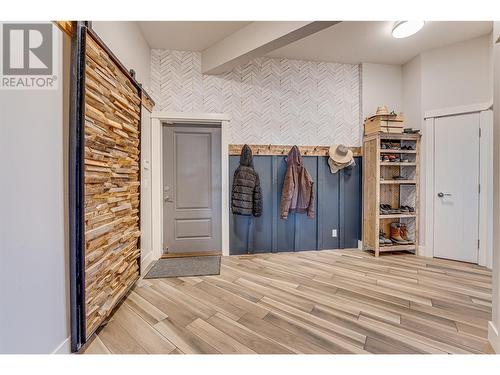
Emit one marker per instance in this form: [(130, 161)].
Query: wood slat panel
[(111, 188), (65, 26), (284, 149)]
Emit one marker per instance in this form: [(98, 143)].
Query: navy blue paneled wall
[(338, 206)]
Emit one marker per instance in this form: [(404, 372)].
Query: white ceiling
[(346, 42), (371, 41), (187, 35)]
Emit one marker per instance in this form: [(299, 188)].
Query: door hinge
[(479, 188), (478, 244), (479, 132)]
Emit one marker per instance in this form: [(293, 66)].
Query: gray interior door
[(191, 188)]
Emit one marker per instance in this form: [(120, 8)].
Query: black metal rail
[(76, 186)]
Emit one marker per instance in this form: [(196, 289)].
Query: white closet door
[(456, 187)]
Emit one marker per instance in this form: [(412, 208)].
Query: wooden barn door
[(104, 183)]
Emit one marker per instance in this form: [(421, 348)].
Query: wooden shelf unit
[(387, 151), (378, 191), (398, 182), (401, 164)]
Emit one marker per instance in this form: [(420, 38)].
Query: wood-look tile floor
[(342, 301)]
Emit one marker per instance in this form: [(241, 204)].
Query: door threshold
[(192, 254)]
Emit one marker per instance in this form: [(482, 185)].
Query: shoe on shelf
[(384, 209), (404, 233), (398, 178), (411, 131), (396, 234), (407, 209), (383, 240)]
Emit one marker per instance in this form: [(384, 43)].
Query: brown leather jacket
[(298, 188)]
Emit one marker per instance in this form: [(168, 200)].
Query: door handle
[(441, 195)]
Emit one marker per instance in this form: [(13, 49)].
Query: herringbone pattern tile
[(277, 101)]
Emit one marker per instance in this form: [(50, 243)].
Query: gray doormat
[(188, 266)]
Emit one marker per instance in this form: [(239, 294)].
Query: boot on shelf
[(404, 233), (396, 234)]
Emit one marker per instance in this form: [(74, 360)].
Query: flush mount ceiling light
[(403, 29)]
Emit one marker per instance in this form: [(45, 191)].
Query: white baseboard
[(146, 262), (64, 347), (493, 337), (360, 245)]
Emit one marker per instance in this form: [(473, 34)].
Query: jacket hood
[(294, 156), (246, 159)]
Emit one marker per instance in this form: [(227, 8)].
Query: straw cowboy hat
[(340, 157), (340, 154), (382, 111)]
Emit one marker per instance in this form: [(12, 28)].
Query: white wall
[(412, 92), (34, 265), (126, 41), (494, 328), (412, 108), (146, 192), (451, 76), (456, 75), (382, 84)]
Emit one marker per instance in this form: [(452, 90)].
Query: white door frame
[(485, 252), (157, 119)]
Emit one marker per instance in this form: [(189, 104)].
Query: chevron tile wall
[(271, 101)]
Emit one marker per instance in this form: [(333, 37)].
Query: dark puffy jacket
[(246, 197), (298, 188)]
